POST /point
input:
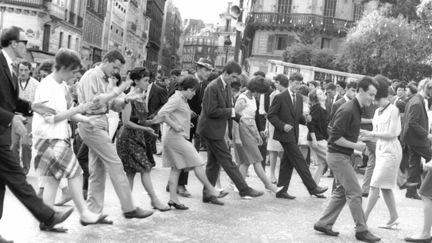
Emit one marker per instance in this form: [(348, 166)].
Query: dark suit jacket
[(196, 102), (282, 112), (9, 101), (158, 96), (216, 111), (415, 123), (260, 120), (329, 105)]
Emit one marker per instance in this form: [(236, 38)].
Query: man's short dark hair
[(365, 82), (412, 88), (139, 73), (314, 83), (296, 77), (342, 83), (303, 90), (67, 59), (175, 72), (232, 67), (258, 84), (282, 79), (114, 55), (401, 85), (235, 85), (259, 73), (352, 85), (27, 64), (9, 34), (188, 82), (330, 86)]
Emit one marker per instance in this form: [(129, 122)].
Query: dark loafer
[(212, 200), (250, 192), (318, 190), (138, 213), (366, 236), (58, 218), (325, 230), (284, 195)]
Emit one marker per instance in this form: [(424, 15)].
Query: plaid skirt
[(55, 157)]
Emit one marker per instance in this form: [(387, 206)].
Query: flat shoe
[(101, 220), (53, 229)]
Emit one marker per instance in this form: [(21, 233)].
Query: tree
[(323, 58), (299, 54), (393, 47)]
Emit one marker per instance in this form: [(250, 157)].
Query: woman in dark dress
[(131, 143)]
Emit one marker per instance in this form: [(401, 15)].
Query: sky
[(207, 10)]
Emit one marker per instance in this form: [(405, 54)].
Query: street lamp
[(227, 44)]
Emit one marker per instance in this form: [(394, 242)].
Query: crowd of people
[(75, 126)]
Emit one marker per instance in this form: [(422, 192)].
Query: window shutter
[(270, 43)]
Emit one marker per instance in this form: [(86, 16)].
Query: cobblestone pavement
[(264, 219)]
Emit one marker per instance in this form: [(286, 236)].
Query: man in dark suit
[(213, 126), (285, 114), (156, 97), (415, 134), (332, 97), (13, 44), (350, 93)]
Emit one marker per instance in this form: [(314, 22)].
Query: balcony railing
[(57, 11), (26, 3), (72, 17), (80, 22), (293, 20)]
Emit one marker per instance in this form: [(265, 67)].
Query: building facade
[(199, 45), (114, 25), (225, 30), (91, 48), (168, 57), (155, 12), (49, 25), (273, 25)]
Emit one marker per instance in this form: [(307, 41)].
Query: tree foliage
[(393, 47), (299, 54)]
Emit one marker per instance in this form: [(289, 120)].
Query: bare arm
[(127, 123)]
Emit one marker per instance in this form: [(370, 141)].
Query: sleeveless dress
[(131, 146), (388, 151)]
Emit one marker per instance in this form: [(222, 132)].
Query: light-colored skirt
[(388, 158), (272, 144), (178, 152), (55, 157), (248, 152)]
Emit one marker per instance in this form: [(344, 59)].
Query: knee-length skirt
[(178, 152)]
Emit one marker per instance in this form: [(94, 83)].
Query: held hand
[(151, 132), (365, 133), (86, 107), (101, 99), (18, 125), (42, 109), (308, 118), (314, 144), (287, 127), (125, 85), (360, 146)]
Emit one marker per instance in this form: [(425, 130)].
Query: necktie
[(228, 95), (294, 100)]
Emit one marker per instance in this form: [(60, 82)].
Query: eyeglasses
[(23, 41)]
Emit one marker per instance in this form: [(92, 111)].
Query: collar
[(101, 73), (291, 93), (346, 97), (197, 77), (8, 59), (223, 82)]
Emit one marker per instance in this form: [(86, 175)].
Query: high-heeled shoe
[(393, 225), (177, 206), (101, 220), (161, 209)]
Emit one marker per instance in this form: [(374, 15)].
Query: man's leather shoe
[(284, 195), (3, 240), (325, 230), (318, 190), (366, 236), (138, 213), (58, 218), (250, 192), (427, 240), (212, 200), (413, 196)]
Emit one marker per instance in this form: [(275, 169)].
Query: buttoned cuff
[(233, 113)]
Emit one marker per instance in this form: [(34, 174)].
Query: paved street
[(265, 219)]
